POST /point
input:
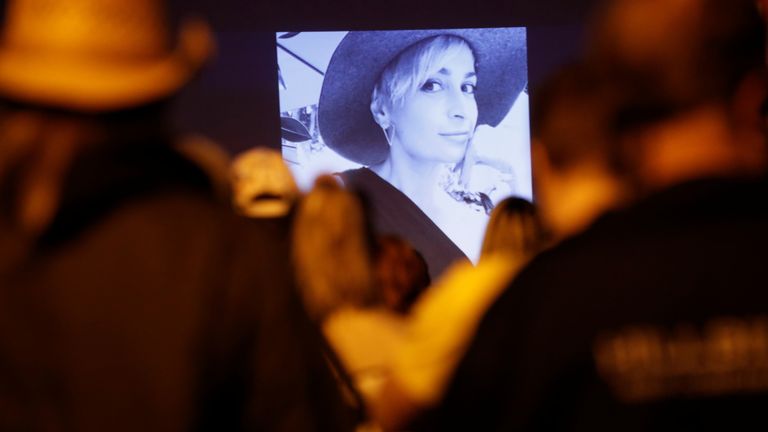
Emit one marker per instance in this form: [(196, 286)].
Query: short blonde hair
[(332, 250), (513, 229), (409, 70)]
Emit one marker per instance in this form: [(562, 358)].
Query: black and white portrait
[(432, 125)]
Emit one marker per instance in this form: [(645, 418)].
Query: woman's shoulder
[(357, 176), (375, 188)]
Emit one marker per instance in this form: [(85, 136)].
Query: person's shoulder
[(196, 219), (576, 262), (572, 253)]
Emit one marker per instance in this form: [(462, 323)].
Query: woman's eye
[(431, 86), (468, 88)]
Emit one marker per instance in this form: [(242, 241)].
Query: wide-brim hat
[(96, 55), (344, 114)]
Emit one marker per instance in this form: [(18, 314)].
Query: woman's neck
[(420, 181), (417, 179)]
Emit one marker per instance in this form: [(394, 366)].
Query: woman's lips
[(455, 136)]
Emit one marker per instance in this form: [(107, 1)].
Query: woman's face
[(435, 121)]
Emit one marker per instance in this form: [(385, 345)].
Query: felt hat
[(96, 55), (346, 123)]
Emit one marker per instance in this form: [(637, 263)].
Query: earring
[(389, 130)]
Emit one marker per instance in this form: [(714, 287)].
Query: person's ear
[(381, 116), (383, 121)]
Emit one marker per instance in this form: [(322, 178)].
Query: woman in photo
[(408, 106)]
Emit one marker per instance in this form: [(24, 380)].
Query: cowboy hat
[(344, 114), (96, 55)]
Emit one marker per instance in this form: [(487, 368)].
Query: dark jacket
[(148, 306), (654, 318)]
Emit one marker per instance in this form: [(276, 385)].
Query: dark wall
[(325, 14), (235, 100)]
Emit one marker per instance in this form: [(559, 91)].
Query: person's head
[(576, 173), (39, 145), (80, 74), (513, 230), (401, 272), (680, 53), (691, 65), (376, 80), (425, 99), (332, 250), (571, 116), (262, 184)]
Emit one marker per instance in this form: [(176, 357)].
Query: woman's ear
[(380, 115), (382, 118)]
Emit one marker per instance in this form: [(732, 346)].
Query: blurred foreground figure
[(399, 359), (577, 178), (443, 320), (653, 316), (131, 299), (333, 252)]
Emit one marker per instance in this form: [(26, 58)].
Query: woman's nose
[(458, 104)]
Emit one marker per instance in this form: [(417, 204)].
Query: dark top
[(149, 306), (394, 213), (654, 318)]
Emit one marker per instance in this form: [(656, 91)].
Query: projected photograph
[(432, 126)]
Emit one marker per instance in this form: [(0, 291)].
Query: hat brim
[(344, 114), (92, 85)]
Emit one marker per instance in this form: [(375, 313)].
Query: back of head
[(76, 75), (401, 272), (676, 54), (572, 114), (332, 250), (513, 229), (692, 73)]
